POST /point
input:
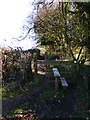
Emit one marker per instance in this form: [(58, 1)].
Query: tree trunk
[(79, 53)]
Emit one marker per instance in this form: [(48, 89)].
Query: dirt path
[(7, 105)]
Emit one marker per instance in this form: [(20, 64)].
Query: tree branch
[(79, 53), (25, 35)]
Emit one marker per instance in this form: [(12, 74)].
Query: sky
[(13, 15)]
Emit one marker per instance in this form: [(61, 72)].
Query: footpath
[(11, 103)]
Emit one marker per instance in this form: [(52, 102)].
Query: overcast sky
[(13, 14)]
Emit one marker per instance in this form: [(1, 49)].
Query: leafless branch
[(25, 35)]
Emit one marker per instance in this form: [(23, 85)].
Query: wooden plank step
[(63, 82), (54, 69), (56, 72)]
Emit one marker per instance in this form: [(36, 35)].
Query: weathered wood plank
[(54, 69), (63, 82), (56, 72)]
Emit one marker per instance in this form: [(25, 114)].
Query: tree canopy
[(64, 27)]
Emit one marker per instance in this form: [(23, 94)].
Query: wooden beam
[(56, 72), (63, 82)]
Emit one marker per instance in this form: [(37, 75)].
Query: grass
[(82, 96), (37, 79), (72, 74), (11, 92), (81, 102), (69, 71), (48, 95), (16, 91)]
